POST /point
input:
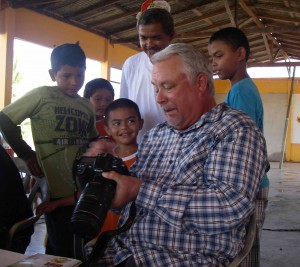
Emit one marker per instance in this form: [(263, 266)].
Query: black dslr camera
[(95, 200)]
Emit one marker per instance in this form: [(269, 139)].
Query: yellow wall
[(49, 32), (41, 30), (36, 28), (117, 55), (283, 86), (270, 85), (7, 27), (276, 85)]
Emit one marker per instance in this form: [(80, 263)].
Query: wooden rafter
[(272, 27), (250, 12)]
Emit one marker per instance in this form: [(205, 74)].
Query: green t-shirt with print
[(61, 125)]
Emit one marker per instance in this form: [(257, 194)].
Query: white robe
[(136, 85)]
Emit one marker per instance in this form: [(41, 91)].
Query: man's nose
[(74, 80), (149, 42), (213, 62), (160, 97), (123, 125)]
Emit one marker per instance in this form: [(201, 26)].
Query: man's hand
[(33, 166), (127, 188), (100, 146), (47, 206)]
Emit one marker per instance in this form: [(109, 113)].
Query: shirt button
[(170, 161), (133, 242)]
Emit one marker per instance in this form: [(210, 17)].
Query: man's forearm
[(12, 135)]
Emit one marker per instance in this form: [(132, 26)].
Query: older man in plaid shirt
[(196, 175)]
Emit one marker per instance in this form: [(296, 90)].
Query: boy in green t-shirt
[(61, 123)]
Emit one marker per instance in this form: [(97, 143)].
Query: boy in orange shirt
[(122, 123)]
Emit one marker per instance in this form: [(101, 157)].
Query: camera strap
[(104, 238), (76, 188)]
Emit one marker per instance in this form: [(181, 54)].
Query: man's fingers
[(111, 175)]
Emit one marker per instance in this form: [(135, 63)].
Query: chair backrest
[(24, 172), (39, 186), (250, 236)]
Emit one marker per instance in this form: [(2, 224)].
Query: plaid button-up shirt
[(198, 192)]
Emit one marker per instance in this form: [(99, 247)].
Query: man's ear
[(52, 75), (241, 53), (141, 124), (171, 36), (107, 129), (202, 83)]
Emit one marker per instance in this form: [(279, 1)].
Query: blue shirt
[(245, 96), (198, 192)]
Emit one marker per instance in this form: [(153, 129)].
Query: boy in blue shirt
[(229, 51)]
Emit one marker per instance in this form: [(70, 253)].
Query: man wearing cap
[(155, 27)]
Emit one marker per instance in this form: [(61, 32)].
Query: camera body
[(95, 200)]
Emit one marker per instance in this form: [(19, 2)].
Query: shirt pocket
[(173, 203)]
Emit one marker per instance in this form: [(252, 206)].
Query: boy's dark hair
[(234, 37), (67, 54), (157, 15), (121, 103), (92, 86)]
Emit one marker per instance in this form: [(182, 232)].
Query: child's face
[(124, 126), (100, 100), (226, 63), (68, 79)]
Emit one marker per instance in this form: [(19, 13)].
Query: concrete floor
[(281, 235), (37, 239)]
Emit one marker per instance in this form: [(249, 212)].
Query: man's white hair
[(193, 61)]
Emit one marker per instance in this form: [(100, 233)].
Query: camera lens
[(95, 200), (93, 204)]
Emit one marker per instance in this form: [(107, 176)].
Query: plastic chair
[(39, 186), (24, 172), (250, 236)]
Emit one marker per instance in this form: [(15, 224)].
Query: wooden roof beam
[(30, 3), (260, 24), (245, 22), (97, 23), (273, 64), (228, 11), (280, 18), (277, 8), (272, 29), (203, 33), (92, 8)]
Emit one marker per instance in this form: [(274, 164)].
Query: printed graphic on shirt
[(73, 123)]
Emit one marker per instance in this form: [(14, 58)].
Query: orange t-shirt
[(112, 219), (100, 127)]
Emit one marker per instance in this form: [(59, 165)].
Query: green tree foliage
[(17, 78)]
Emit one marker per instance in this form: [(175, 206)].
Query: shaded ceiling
[(272, 27)]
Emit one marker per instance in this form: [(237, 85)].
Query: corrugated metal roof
[(272, 27)]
